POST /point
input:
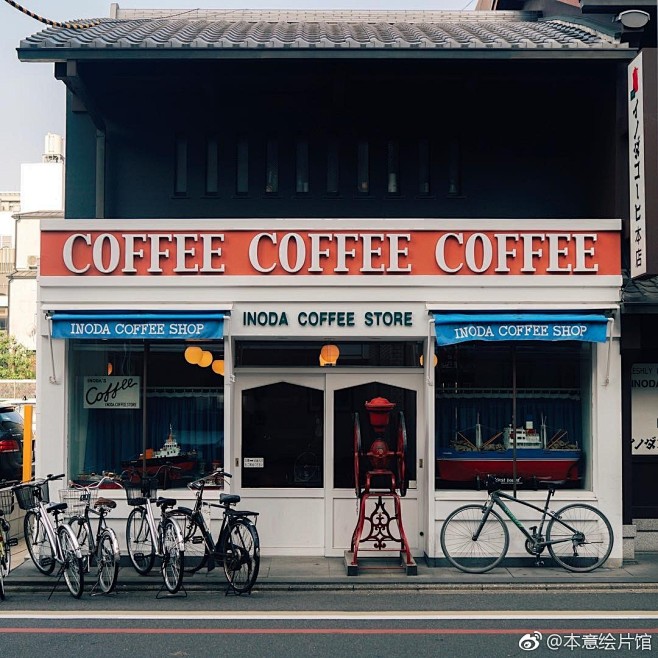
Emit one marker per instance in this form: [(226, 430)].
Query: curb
[(288, 586)]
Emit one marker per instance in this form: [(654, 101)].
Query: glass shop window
[(302, 166), (272, 173), (393, 162), (242, 166), (282, 436), (363, 167), (143, 405), (512, 411)]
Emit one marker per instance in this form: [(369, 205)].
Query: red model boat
[(536, 456), (464, 466)]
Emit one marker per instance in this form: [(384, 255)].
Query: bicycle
[(6, 508), (145, 539), (237, 548), (475, 539), (101, 547), (50, 543)]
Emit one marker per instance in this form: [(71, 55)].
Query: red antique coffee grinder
[(379, 473)]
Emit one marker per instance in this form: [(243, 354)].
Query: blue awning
[(454, 328), (138, 326)]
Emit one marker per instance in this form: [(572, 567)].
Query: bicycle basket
[(76, 499), (6, 501), (26, 495), (136, 492)]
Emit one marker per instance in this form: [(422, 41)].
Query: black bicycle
[(475, 539), (237, 548)]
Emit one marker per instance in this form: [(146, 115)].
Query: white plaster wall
[(51, 409), (7, 224), (23, 312), (42, 186), (28, 233)]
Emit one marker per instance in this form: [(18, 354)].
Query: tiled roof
[(211, 29)]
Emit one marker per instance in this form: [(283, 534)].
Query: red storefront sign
[(351, 253)]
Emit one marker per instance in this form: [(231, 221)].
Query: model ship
[(170, 453), (523, 453)]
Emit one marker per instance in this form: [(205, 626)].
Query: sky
[(31, 100)]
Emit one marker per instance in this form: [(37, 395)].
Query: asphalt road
[(332, 623)]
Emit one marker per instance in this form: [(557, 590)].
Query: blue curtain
[(115, 435), (461, 414)]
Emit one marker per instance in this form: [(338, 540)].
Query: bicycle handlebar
[(218, 472), (95, 485), (39, 481), (134, 470)]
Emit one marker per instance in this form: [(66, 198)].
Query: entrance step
[(382, 565), (647, 535)]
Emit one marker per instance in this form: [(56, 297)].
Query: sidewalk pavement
[(307, 573)]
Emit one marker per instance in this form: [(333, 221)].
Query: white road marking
[(568, 615)]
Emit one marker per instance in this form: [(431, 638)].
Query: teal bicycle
[(475, 539)]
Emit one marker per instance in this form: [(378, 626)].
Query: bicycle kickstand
[(59, 577)]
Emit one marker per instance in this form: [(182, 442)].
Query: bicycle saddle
[(229, 499), (165, 502), (105, 502)]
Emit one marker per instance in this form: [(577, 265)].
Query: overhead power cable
[(47, 21)]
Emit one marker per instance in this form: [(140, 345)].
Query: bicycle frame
[(101, 523), (496, 499), (155, 528), (197, 515), (49, 527)]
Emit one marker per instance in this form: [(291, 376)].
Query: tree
[(16, 361)]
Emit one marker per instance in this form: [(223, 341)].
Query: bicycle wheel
[(74, 573), (107, 559), (38, 544), (5, 552), (240, 552), (194, 545), (141, 548), (584, 538), (474, 555), (83, 533), (2, 581), (172, 556)]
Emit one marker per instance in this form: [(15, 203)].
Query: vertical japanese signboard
[(644, 408), (636, 161)]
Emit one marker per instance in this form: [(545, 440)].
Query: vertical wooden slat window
[(301, 166), (332, 166), (180, 177), (363, 167), (454, 168), (424, 187), (393, 159), (272, 173), (242, 166), (212, 166)]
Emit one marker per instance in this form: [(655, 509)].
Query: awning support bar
[(609, 341), (53, 378)]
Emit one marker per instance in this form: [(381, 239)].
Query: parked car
[(11, 443)]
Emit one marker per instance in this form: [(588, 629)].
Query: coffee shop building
[(273, 219)]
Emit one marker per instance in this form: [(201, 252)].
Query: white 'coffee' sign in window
[(111, 392)]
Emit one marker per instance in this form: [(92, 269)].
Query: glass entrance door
[(346, 396), (293, 453)]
